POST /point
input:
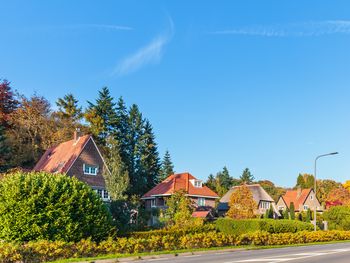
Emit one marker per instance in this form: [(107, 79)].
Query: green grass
[(177, 252)]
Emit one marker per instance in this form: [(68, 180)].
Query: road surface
[(338, 253)]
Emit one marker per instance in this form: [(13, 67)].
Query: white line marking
[(292, 257)]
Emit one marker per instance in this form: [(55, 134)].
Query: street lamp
[(318, 157)]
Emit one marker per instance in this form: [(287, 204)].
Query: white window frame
[(197, 183), (201, 201), (281, 208), (90, 169), (306, 207), (101, 194), (153, 202)]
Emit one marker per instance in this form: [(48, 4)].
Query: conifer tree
[(286, 213), (8, 102), (167, 167), (292, 211), (102, 116), (247, 177), (135, 131), (149, 158), (211, 182), (122, 130), (69, 109)]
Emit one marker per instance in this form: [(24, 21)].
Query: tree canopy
[(242, 204)]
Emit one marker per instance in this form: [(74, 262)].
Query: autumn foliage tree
[(339, 194), (242, 204), (8, 102)]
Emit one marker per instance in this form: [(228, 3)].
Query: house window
[(265, 205), (311, 197), (280, 208), (90, 169), (197, 183), (99, 192), (306, 207), (105, 194), (201, 201), (153, 202)]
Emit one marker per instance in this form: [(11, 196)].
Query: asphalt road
[(338, 253)]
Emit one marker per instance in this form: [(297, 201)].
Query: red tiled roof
[(58, 159), (178, 182), (329, 204), (200, 214), (292, 196)]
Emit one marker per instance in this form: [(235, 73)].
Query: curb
[(162, 256)]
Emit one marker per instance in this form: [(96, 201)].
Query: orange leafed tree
[(339, 194), (242, 204)]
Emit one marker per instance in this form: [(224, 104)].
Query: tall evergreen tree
[(121, 131), (102, 116), (69, 109), (8, 102), (292, 211), (167, 167), (135, 131), (247, 177), (149, 158), (211, 182)]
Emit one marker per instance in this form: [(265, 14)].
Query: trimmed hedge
[(237, 227), (44, 251), (174, 232), (44, 206)]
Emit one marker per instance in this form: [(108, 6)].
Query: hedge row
[(236, 227), (43, 251), (174, 232)]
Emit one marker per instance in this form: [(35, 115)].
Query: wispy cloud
[(99, 26), (307, 29), (149, 54)]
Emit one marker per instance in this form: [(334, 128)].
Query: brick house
[(79, 157), (202, 197), (262, 199), (303, 200)]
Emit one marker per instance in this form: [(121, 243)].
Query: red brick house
[(303, 200), (201, 195), (79, 157)]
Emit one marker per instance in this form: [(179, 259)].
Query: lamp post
[(318, 157)]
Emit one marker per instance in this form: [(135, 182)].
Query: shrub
[(338, 217), (43, 251), (237, 227), (43, 206)]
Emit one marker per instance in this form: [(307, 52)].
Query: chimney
[(298, 191), (76, 134)]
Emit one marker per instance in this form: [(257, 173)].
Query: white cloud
[(292, 30), (149, 54)]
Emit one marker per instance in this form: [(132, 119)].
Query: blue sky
[(258, 84)]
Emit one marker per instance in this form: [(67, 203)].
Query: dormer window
[(197, 183), (90, 169)]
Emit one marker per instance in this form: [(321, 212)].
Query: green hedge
[(237, 227), (44, 251), (44, 206), (174, 232)]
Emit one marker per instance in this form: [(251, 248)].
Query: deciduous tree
[(179, 211), (242, 204), (116, 176)]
